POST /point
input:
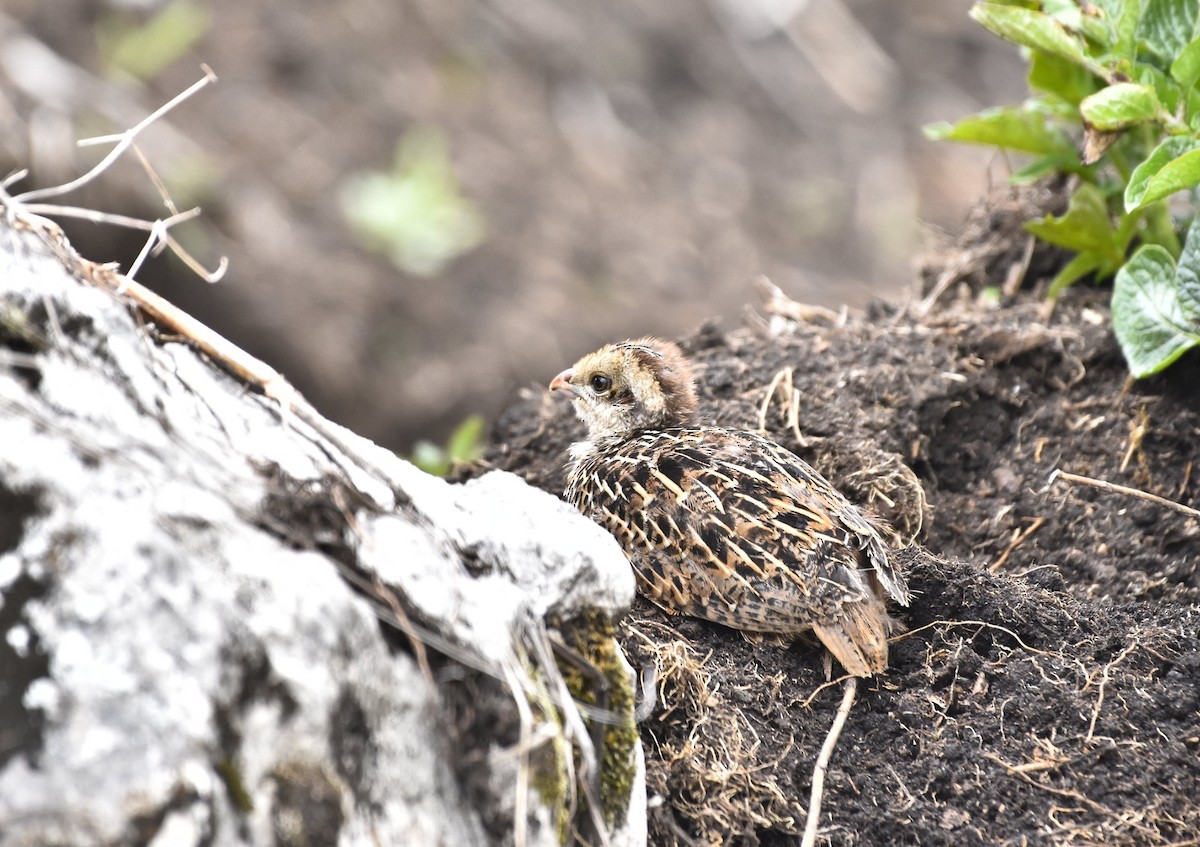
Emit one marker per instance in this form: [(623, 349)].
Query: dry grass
[(711, 780)]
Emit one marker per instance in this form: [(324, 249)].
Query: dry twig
[(818, 781), (1120, 657), (124, 141), (1113, 488), (791, 397), (775, 302), (1018, 270), (524, 745), (159, 230), (985, 624), (1015, 770), (1137, 434), (1019, 537)]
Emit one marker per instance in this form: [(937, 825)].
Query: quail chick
[(720, 523)]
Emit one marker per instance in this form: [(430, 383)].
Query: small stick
[(818, 782), (910, 633), (783, 374), (1113, 488), (158, 235), (945, 279), (53, 210), (1137, 434), (385, 595), (775, 302), (784, 379), (1018, 539), (1100, 693), (808, 700), (525, 714), (57, 211), (124, 140), (1018, 270), (213, 344)]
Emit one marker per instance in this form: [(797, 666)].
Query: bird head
[(631, 386)]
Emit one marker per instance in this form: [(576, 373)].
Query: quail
[(723, 524)]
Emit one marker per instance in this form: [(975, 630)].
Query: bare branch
[(113, 219), (126, 139), (1113, 488)]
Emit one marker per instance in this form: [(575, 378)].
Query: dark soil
[(1047, 689)]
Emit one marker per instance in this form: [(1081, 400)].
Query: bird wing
[(812, 492), (727, 526)]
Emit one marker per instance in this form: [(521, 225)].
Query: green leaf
[(1055, 75), (1166, 88), (1075, 20), (1030, 29), (1046, 165), (147, 50), (430, 458), (1148, 317), (416, 214), (1086, 226), (1125, 20), (1173, 166), (1168, 25), (464, 445), (1113, 9), (466, 442), (1127, 228), (1071, 272), (1066, 11), (1186, 67), (1014, 127), (1121, 105), (1187, 273)]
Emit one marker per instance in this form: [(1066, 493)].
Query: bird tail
[(858, 639)]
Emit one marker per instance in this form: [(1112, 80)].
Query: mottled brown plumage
[(718, 523)]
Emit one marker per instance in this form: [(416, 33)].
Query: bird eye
[(600, 383)]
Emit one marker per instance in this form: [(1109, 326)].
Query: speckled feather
[(725, 524)]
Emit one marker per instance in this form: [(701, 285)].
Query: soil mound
[(1047, 689)]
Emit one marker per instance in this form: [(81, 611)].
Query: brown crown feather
[(673, 372)]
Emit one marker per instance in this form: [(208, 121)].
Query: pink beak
[(563, 382)]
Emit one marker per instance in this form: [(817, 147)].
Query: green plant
[(464, 445), (415, 214), (144, 50), (1120, 76)]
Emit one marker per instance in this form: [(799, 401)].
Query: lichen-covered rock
[(192, 579)]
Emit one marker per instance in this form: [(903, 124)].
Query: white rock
[(207, 679)]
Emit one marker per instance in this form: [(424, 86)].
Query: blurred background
[(428, 204)]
